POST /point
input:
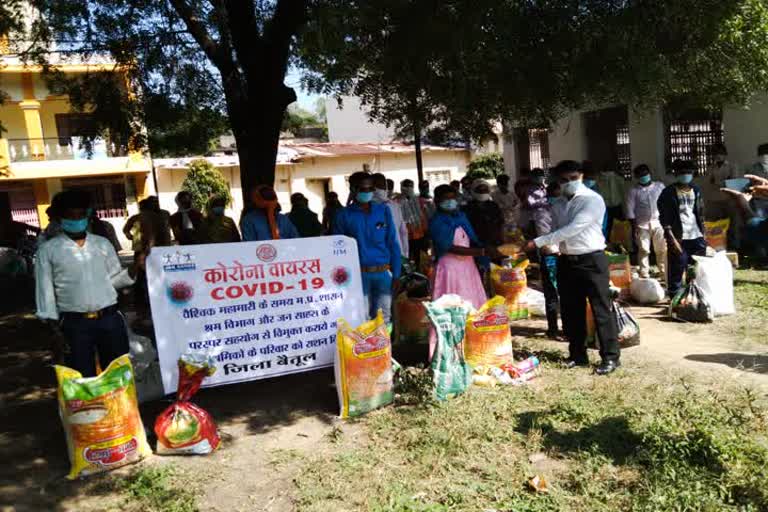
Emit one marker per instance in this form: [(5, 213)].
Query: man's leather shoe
[(574, 363), (607, 367)]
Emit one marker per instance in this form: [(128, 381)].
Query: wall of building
[(567, 139), (646, 135), (745, 129), (350, 123)]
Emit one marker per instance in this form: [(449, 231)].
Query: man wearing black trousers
[(583, 270)]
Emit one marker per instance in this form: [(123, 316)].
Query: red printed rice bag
[(184, 428), (488, 340)]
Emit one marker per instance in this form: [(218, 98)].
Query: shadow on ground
[(753, 363), (32, 440)]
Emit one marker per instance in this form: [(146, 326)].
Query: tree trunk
[(417, 147)]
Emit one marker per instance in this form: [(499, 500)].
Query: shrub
[(204, 181), (486, 166)]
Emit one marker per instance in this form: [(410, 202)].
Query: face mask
[(539, 180), (644, 180), (408, 191), (720, 159), (684, 179), (570, 188), (218, 210), (449, 205), (364, 197), (764, 159), (552, 200), (379, 196), (74, 227), (481, 197), (590, 184)]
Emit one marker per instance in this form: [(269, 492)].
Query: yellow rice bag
[(101, 418), (510, 282), (363, 367), (717, 234), (488, 340)]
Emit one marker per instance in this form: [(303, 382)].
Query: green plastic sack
[(452, 375)]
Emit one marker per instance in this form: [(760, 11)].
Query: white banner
[(261, 309)]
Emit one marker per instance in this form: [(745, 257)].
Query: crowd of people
[(565, 214)]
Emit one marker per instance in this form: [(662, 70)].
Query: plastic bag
[(715, 278), (535, 301), (621, 234), (646, 291), (510, 282), (411, 324), (185, 428), (101, 418), (146, 368), (690, 305), (620, 272), (451, 373), (364, 377), (717, 234), (628, 332), (488, 340)]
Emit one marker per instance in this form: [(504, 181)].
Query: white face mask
[(569, 189), (380, 196), (764, 160), (481, 197)]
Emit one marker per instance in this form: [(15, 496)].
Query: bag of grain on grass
[(452, 375), (101, 418), (509, 281), (488, 340), (363, 367)]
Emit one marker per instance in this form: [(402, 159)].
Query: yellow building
[(41, 151)]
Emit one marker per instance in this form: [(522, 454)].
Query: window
[(532, 148), (436, 178), (608, 141), (108, 196), (74, 125), (690, 135)]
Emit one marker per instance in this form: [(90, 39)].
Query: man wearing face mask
[(263, 221), (582, 270), (381, 196), (533, 191), (717, 204), (77, 274), (643, 213), (507, 201), (217, 228), (185, 223), (760, 169), (613, 187), (681, 213), (372, 226), (415, 220), (425, 199)]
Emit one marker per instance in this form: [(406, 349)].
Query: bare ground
[(267, 426)]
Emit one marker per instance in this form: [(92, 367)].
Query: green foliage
[(204, 181), (487, 166), (153, 489), (297, 118)]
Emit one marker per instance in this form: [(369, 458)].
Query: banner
[(261, 309)]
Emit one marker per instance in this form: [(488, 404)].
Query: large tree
[(459, 66)]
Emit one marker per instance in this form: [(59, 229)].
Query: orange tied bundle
[(488, 340), (101, 418), (184, 428)]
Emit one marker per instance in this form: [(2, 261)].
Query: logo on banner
[(266, 253), (339, 247), (178, 262)]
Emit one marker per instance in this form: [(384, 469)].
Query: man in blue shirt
[(262, 221), (372, 226)]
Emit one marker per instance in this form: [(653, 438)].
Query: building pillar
[(510, 155), (5, 158), (646, 136), (42, 201)]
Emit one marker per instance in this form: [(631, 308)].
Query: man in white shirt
[(643, 213), (582, 271), (76, 276), (718, 205)]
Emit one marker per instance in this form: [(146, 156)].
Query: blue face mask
[(73, 226), (218, 210), (684, 179), (364, 197), (449, 205), (644, 180), (590, 183)]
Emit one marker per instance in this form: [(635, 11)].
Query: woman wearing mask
[(217, 228), (681, 213)]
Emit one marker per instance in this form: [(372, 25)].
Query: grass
[(157, 489), (747, 326), (638, 441)]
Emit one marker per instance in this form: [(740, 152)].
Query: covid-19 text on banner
[(261, 309)]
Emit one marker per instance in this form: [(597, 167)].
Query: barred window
[(691, 135)]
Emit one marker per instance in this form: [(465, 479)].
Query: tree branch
[(289, 16), (199, 32), (244, 30)]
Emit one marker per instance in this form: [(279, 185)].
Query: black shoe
[(575, 363), (607, 367)]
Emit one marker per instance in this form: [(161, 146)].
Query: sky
[(304, 99)]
